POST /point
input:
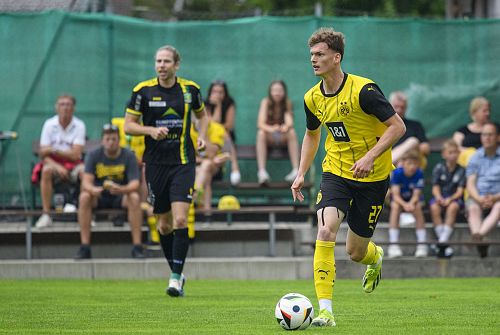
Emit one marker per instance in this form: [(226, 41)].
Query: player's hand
[(159, 133), (363, 167), (296, 188), (201, 145)]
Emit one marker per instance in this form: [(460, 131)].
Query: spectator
[(468, 137), (407, 183), (222, 108), (414, 137), (448, 184), (111, 180), (275, 129), (61, 146), (483, 187), (210, 161)]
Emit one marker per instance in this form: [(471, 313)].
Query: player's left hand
[(363, 167), (201, 144)]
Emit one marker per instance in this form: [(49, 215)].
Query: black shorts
[(169, 183), (107, 200), (362, 202)]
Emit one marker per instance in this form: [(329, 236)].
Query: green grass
[(421, 306)]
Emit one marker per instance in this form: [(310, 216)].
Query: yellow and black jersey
[(353, 117), (167, 107)]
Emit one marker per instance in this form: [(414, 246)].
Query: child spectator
[(407, 183), (448, 183)]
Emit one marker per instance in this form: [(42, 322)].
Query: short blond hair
[(449, 144), (411, 155), (476, 103), (334, 39)]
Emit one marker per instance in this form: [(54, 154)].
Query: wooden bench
[(249, 189)]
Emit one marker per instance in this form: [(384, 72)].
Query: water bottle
[(59, 202)]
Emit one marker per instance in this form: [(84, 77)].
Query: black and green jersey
[(167, 107)]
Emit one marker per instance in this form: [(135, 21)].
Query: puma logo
[(325, 273)]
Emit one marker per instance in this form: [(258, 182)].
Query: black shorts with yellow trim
[(169, 183), (362, 202)]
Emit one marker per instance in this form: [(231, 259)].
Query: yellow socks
[(153, 231), (190, 221), (324, 269), (372, 255)]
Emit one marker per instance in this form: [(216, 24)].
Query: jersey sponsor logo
[(170, 112), (344, 109), (338, 131), (156, 98), (157, 104)]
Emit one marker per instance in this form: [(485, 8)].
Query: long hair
[(227, 101), (282, 105)]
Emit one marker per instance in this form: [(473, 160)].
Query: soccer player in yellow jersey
[(361, 127)]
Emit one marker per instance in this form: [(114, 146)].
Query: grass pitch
[(419, 306)]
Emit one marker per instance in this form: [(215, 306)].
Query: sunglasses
[(109, 127)]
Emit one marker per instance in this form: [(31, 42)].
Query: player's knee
[(164, 227), (180, 221)]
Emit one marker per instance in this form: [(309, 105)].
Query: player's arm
[(133, 127), (372, 101), (309, 149)]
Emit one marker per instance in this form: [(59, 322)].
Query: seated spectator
[(483, 187), (448, 184), (61, 146), (414, 137), (407, 183), (111, 180), (276, 129), (222, 108), (210, 161), (468, 137)]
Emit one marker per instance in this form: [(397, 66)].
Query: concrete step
[(218, 239), (265, 268)]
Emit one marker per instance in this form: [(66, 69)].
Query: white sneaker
[(394, 251), (421, 251), (69, 208), (406, 219), (44, 221), (175, 287), (235, 178), (291, 176), (263, 177)]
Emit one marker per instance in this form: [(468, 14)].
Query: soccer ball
[(294, 311)]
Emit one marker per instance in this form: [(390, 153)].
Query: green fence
[(99, 59)]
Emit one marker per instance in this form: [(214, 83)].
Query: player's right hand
[(296, 188), (159, 133)]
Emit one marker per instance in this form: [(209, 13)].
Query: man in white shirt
[(61, 147)]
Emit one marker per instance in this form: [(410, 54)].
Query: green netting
[(99, 58)]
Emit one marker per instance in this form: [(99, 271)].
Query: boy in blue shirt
[(407, 183), (448, 184)]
